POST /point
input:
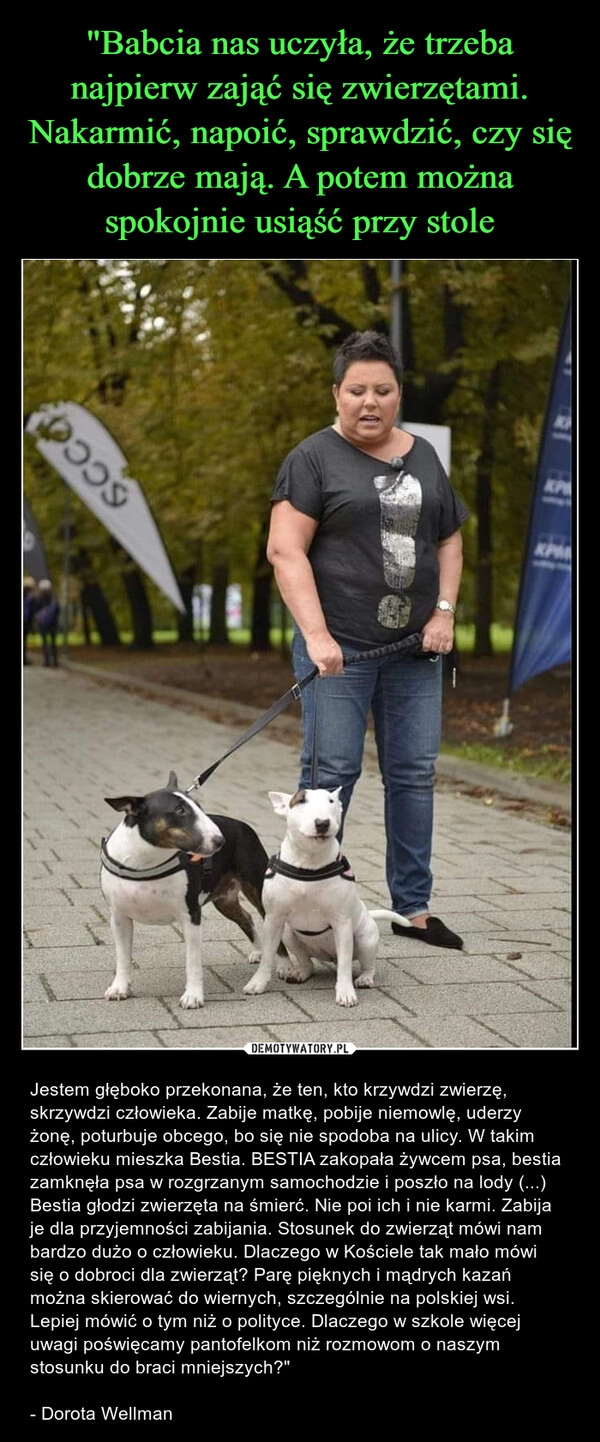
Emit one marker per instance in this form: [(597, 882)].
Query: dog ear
[(336, 793), (131, 804), (279, 801), (172, 782)]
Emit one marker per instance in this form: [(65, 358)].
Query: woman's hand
[(438, 633), (325, 653)]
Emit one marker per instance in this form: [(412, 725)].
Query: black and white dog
[(212, 858)]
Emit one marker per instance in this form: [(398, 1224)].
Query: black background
[(52, 213)]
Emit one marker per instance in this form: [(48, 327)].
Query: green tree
[(209, 371)]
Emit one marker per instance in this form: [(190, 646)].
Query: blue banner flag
[(543, 626)]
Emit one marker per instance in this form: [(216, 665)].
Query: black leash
[(409, 643), (292, 695)]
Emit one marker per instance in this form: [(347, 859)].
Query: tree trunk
[(94, 602), (141, 614), (218, 633), (85, 622), (425, 402), (261, 597), (185, 623), (483, 492)]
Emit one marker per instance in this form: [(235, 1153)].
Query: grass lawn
[(465, 638)]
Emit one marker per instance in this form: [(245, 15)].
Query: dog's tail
[(390, 916)]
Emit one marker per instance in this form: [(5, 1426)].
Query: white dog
[(311, 901)]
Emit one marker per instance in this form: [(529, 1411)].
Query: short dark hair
[(365, 345)]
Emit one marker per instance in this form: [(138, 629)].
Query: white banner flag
[(88, 458)]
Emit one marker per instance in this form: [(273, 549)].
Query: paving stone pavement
[(502, 880)]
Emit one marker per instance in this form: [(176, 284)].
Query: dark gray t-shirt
[(374, 556)]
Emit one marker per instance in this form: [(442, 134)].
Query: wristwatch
[(445, 606)]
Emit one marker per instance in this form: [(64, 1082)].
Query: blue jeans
[(405, 696)]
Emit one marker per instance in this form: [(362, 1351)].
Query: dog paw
[(346, 998), (255, 986), (117, 991), (254, 957), (190, 1000), (289, 971), (364, 979)]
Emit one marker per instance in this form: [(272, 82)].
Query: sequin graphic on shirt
[(400, 500)]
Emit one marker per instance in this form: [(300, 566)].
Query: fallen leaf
[(514, 955)]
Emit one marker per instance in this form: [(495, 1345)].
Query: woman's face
[(367, 403)]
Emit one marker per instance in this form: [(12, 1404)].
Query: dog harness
[(169, 867), (341, 867)]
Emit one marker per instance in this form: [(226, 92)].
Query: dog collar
[(341, 867), (148, 873)]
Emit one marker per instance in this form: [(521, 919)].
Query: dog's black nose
[(322, 827)]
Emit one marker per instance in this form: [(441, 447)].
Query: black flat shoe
[(434, 933)]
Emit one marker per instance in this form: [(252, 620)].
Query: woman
[(366, 545), (29, 607)]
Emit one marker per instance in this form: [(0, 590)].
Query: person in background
[(29, 608), (47, 617), (366, 545)]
